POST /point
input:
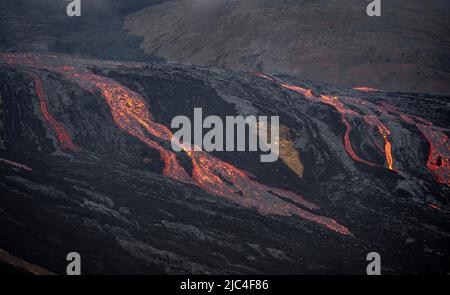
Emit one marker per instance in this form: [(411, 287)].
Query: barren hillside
[(332, 41)]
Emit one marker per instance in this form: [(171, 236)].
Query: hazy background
[(327, 41)]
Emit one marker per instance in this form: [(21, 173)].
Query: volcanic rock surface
[(86, 165)]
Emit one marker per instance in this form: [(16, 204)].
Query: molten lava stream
[(439, 154), (130, 113), (265, 77), (348, 144), (15, 164), (384, 131), (306, 92), (338, 105), (366, 89), (237, 186), (219, 178), (63, 135)]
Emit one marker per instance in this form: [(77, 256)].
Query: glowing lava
[(335, 102), (306, 92), (63, 135), (382, 129), (366, 89), (15, 164), (439, 154), (131, 114), (339, 106), (223, 179)]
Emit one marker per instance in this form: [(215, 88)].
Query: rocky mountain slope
[(86, 165)]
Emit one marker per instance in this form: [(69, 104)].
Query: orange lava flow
[(63, 135), (131, 114), (348, 144), (439, 154), (15, 164), (366, 89), (384, 131), (211, 174), (223, 179), (306, 92), (339, 106), (434, 206), (388, 152), (265, 76), (8, 58)]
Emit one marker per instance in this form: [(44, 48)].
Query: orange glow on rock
[(63, 135), (265, 76), (223, 179), (384, 131), (339, 106), (438, 158), (439, 153), (348, 145), (131, 114), (434, 206)]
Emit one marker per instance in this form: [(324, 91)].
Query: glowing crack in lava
[(63, 135), (438, 157), (213, 175), (439, 154), (130, 113), (223, 179), (335, 102), (366, 89), (374, 121), (339, 106), (209, 173), (306, 92)]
